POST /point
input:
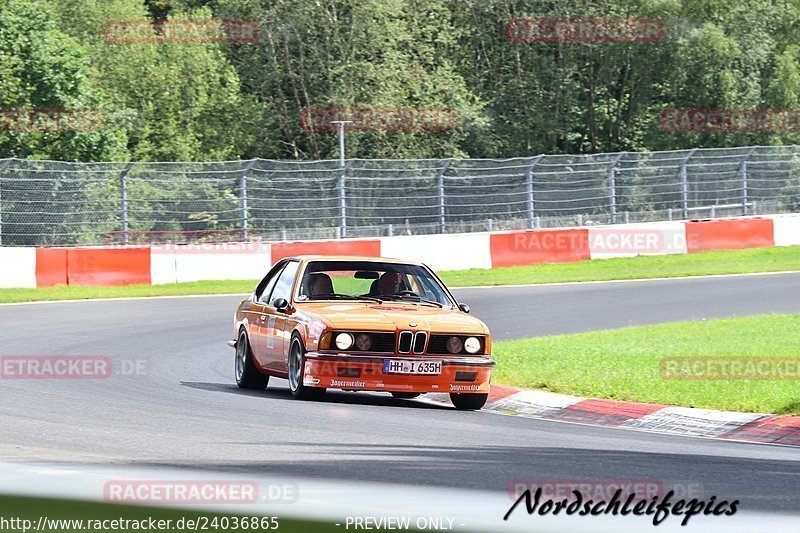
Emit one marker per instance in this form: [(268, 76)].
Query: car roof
[(308, 258)]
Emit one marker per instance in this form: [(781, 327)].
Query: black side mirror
[(464, 307), (281, 304)]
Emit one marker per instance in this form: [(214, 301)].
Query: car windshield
[(368, 280)]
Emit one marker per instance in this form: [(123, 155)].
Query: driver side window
[(283, 288), (266, 285)]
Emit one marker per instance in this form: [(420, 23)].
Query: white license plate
[(394, 366)]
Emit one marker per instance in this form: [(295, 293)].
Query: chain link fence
[(50, 203)]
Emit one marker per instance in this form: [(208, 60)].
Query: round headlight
[(344, 341), (455, 344), (363, 341), (472, 345)]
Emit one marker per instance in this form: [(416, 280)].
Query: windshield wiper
[(336, 296), (413, 299)]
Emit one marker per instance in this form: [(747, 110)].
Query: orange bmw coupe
[(361, 324)]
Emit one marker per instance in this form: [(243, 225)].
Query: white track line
[(125, 298), (635, 280), (455, 288)]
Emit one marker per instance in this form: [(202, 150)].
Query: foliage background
[(203, 102)]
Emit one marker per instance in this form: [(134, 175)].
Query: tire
[(405, 395), (297, 363), (244, 369), (468, 402)]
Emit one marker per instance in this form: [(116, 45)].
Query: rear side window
[(283, 287)]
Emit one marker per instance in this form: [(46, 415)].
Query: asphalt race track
[(182, 407)]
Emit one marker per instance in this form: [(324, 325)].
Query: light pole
[(341, 124), (343, 169)]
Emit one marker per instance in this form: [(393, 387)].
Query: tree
[(170, 100), (42, 68), (374, 54)]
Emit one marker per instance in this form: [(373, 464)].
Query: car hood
[(373, 316)]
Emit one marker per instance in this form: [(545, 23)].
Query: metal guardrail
[(61, 203)]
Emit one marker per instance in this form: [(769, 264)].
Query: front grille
[(412, 341), (420, 338), (404, 344), (381, 342), (438, 344)]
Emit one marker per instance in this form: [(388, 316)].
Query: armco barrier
[(441, 252), (18, 267), (42, 267), (787, 229), (729, 234), (630, 240), (92, 266), (51, 267), (539, 246), (180, 264), (108, 266), (365, 247), (196, 267)]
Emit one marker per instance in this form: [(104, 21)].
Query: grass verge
[(64, 292), (775, 259), (624, 364)]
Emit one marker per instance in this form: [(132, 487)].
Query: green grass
[(623, 364), (717, 262), (779, 258), (63, 292)]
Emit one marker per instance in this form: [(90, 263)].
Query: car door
[(278, 321), (258, 315)]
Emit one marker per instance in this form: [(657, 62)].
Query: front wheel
[(297, 363), (468, 402), (247, 375)]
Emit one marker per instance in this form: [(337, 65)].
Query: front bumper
[(365, 372)]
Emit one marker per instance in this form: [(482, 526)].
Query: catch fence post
[(612, 187), (123, 199), (343, 199), (685, 185), (743, 177), (440, 194), (3, 166), (529, 187), (243, 197)]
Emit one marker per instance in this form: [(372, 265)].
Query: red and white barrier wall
[(42, 267)]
